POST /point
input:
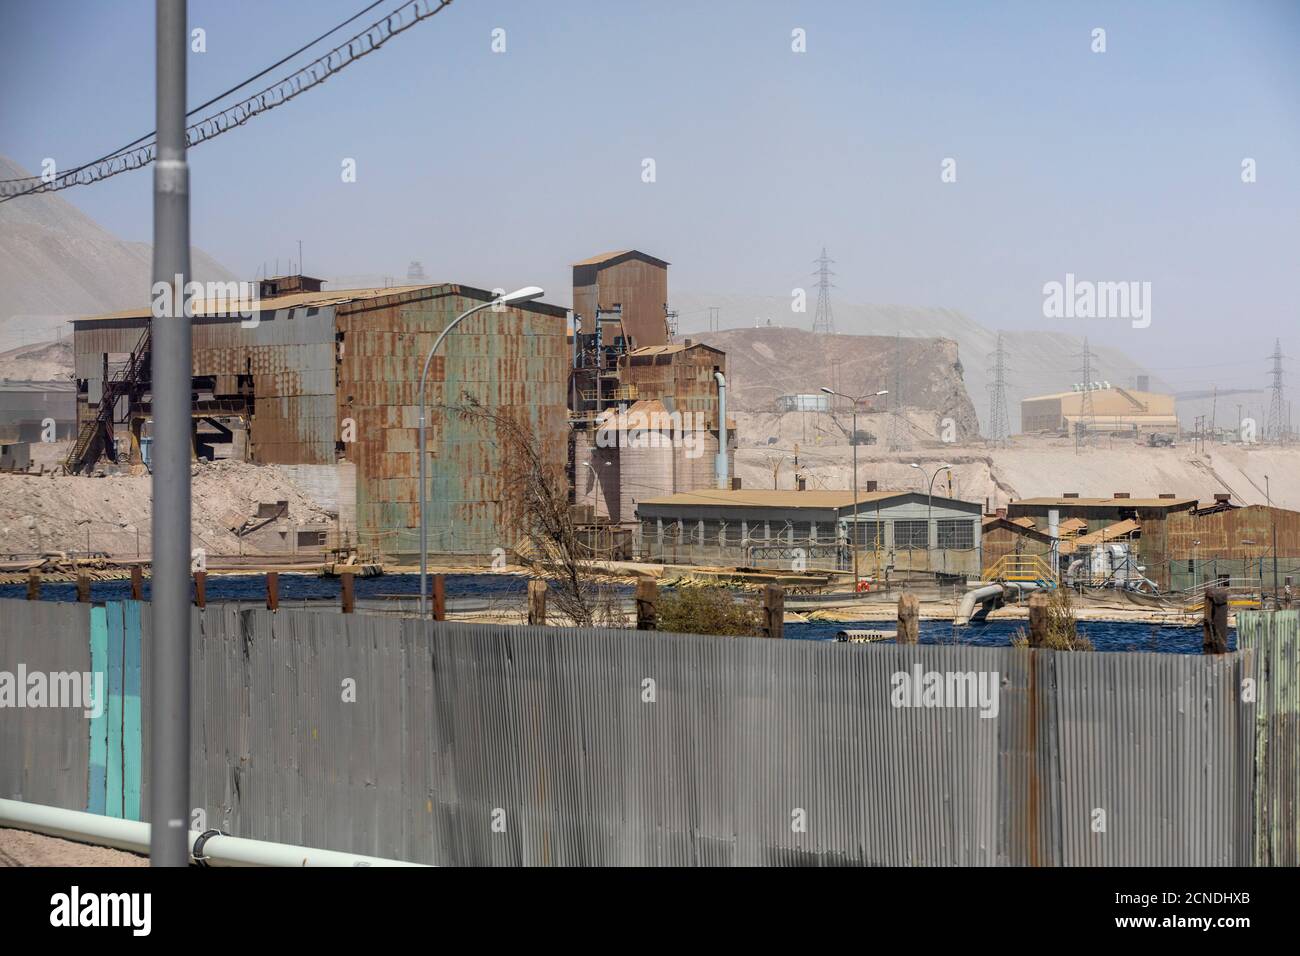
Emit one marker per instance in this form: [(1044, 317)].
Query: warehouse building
[(1150, 549), (325, 383), (1099, 407), (893, 531), (38, 411), (1252, 543)]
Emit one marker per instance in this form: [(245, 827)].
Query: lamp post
[(929, 504), (853, 440), (526, 294), (1268, 498)]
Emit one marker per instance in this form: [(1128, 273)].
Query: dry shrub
[(707, 610), (1062, 627)]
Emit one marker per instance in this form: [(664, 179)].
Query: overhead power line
[(139, 153)]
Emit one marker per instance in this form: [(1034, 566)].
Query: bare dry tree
[(537, 509)]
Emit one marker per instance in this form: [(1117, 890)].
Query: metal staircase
[(96, 434), (1026, 568)]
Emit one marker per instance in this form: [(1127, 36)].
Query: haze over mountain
[(57, 263), (1040, 362)]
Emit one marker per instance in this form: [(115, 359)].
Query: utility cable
[(136, 156)]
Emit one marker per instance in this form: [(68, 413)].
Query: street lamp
[(526, 294), (853, 440), (929, 504)]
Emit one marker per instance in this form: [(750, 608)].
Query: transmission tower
[(1276, 429), (823, 319), (999, 424), (1087, 416), (899, 438)]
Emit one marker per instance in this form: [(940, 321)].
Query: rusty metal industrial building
[(644, 410), (325, 383), (1182, 543)]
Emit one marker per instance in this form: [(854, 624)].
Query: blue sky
[(500, 169)]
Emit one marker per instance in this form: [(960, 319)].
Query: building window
[(870, 534), (912, 535), (956, 534)]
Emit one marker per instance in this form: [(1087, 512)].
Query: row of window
[(954, 534)]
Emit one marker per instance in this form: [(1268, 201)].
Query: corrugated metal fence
[(483, 744)]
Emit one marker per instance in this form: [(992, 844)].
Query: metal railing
[(1021, 567)]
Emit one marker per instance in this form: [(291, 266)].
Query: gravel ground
[(20, 848)]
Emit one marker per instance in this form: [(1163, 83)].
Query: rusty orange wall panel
[(513, 361), (640, 286)]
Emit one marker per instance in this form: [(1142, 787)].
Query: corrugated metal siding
[(1273, 639), (44, 753), (513, 361), (548, 726)]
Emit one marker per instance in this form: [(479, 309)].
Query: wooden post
[(83, 588), (439, 597), (272, 590), (33, 585), (774, 611), (1038, 618), (200, 589), (909, 619), (137, 583), (349, 593), (1215, 623), (647, 603), (537, 603)]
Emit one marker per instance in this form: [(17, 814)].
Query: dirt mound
[(42, 362), (763, 363), (113, 514)]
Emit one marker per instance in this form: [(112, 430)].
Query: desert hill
[(57, 263)]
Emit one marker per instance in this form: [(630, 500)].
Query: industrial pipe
[(720, 465), (211, 847), (981, 595)]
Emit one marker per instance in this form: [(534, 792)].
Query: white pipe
[(720, 464), (980, 595), (133, 835)]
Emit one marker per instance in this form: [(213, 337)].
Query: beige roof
[(1094, 391), (657, 349), (307, 300), (607, 256), (1107, 502), (293, 300), (1112, 532), (769, 498)]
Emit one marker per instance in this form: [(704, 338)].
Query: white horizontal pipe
[(133, 835)]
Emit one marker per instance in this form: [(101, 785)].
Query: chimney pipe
[(720, 465)]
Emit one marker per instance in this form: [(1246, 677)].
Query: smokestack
[(720, 465)]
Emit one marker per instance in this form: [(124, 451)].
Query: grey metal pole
[(169, 659), (424, 455), (854, 439)]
